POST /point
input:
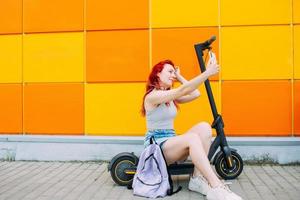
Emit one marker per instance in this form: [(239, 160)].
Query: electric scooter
[(228, 163)]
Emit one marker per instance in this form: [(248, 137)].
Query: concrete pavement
[(91, 181)]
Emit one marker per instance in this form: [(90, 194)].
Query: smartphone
[(212, 57)]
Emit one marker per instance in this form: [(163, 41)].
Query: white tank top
[(161, 117)]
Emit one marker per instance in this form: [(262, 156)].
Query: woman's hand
[(212, 65), (179, 77), (177, 72)]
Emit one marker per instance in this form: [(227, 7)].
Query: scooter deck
[(175, 169), (182, 168)]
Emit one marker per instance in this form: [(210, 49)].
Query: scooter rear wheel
[(224, 171), (118, 168)]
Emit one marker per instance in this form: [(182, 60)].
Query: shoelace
[(226, 183), (202, 178), (225, 187)]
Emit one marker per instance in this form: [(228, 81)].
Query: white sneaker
[(221, 192), (198, 184)]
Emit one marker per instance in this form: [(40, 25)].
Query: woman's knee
[(204, 130), (193, 138), (176, 148)]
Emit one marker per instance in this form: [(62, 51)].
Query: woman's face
[(167, 76)]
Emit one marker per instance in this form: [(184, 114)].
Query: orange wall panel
[(198, 110), (11, 16), (297, 107), (260, 108), (178, 45), (54, 15), (11, 108), (117, 14), (54, 109), (114, 56)]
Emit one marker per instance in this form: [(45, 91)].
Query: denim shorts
[(160, 136)]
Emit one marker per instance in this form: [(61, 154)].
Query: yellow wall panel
[(198, 110), (296, 11), (262, 52), (255, 12), (53, 57), (297, 52), (11, 16), (170, 13), (10, 58), (114, 109)]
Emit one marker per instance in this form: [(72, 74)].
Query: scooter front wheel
[(224, 171), (123, 170)]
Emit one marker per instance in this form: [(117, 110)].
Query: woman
[(160, 107)]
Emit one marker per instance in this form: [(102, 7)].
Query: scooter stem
[(218, 123)]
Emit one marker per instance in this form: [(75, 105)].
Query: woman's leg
[(204, 130), (177, 148)]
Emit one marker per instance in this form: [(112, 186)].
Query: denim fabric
[(160, 136)]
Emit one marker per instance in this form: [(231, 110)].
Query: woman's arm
[(162, 96), (189, 97)]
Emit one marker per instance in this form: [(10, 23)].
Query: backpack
[(152, 178)]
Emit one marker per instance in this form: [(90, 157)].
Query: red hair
[(153, 81)]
